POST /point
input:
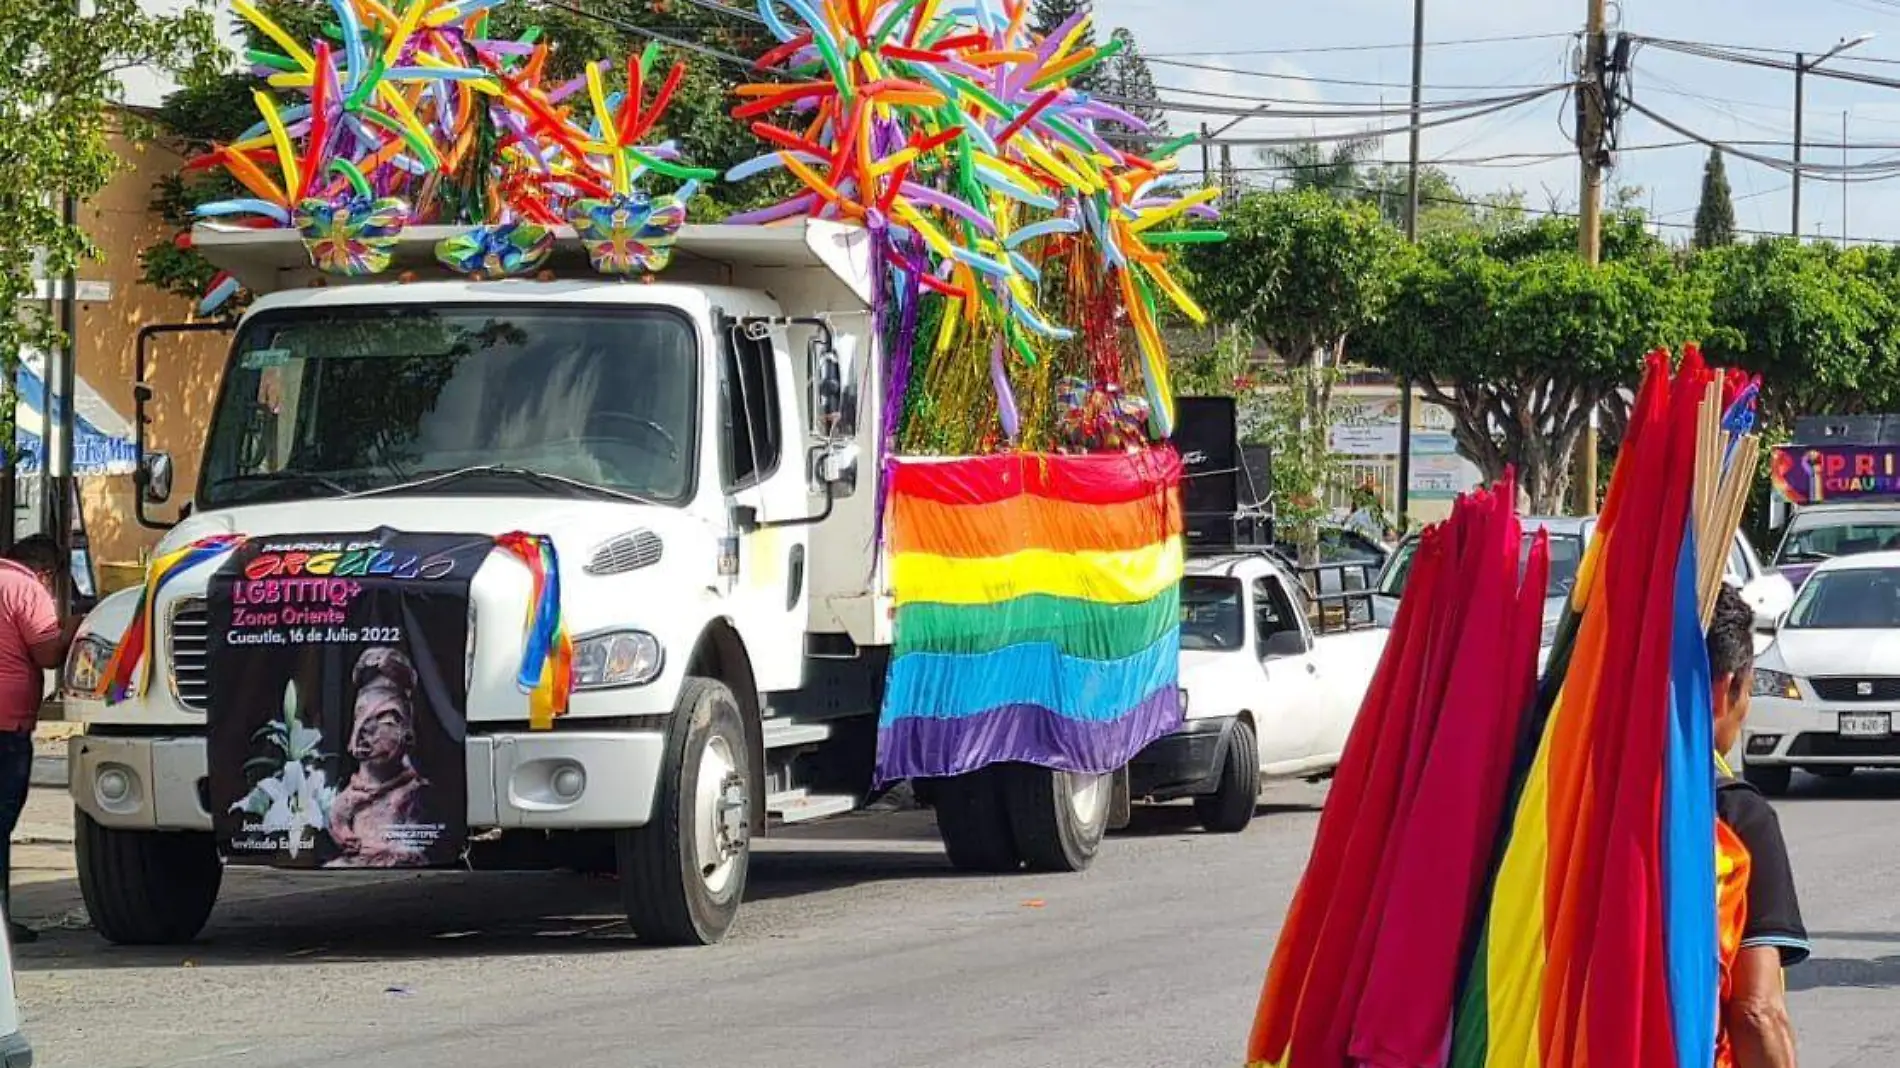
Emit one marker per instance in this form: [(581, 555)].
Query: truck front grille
[(189, 631)]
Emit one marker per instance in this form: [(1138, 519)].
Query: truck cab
[(689, 449)]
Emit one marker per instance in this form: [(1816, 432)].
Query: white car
[(1267, 696), (1827, 690)]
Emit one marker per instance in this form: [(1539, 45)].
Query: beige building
[(185, 369)]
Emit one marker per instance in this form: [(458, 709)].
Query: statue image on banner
[(379, 818)]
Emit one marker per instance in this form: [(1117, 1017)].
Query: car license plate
[(1866, 724)]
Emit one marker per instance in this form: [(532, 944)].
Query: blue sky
[(1722, 101)]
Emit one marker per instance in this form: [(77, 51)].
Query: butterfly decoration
[(629, 233), (351, 236), (498, 251)]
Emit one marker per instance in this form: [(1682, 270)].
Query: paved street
[(860, 948)]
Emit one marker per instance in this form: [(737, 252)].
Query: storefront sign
[(338, 699), (1812, 474)]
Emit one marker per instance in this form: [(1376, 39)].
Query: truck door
[(1292, 714), (763, 460)]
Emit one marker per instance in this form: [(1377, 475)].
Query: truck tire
[(973, 823), (1771, 779), (1058, 817), (683, 875), (1229, 809), (146, 888)]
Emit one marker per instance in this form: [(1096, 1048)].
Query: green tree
[(1715, 214), (1332, 169), (1821, 325), (1443, 207), (59, 69), (1301, 272), (1126, 77), (1521, 341)]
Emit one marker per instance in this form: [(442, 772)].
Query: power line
[(1314, 78), (1332, 49), (1327, 110)]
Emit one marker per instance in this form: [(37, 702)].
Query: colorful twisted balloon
[(958, 135), (415, 104)]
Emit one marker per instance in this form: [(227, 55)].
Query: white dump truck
[(699, 449)]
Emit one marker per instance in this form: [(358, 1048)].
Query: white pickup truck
[(1267, 695)]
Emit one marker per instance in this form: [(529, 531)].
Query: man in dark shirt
[(1761, 931)]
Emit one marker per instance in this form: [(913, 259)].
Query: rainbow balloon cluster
[(412, 113), (958, 135)]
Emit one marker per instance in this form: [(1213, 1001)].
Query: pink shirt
[(28, 617)]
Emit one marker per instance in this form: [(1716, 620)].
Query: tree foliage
[(1820, 324), (59, 71), (1300, 271), (1715, 213), (1521, 341), (1126, 77)]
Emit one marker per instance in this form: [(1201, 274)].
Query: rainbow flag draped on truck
[(1038, 612), (1567, 915)]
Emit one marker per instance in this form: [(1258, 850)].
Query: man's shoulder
[(1740, 805)]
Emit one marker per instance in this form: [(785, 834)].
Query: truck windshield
[(323, 403), (1210, 614), (1808, 545)]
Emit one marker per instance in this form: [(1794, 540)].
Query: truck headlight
[(86, 665), (618, 658)]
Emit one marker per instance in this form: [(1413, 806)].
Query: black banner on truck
[(338, 699)]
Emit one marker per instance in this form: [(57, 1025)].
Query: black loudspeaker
[(1209, 440), (1256, 476)]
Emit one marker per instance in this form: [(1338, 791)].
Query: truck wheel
[(146, 888), (1058, 817), (1229, 809), (973, 823), (1770, 779), (683, 874)]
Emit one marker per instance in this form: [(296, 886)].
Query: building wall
[(185, 368)]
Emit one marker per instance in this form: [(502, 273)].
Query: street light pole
[(1802, 65), (1411, 234)]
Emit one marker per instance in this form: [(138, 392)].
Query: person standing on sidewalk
[(33, 640)]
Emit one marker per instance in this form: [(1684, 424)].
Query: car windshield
[(1210, 614), (321, 403), (1810, 545), (1848, 600), (1566, 560)]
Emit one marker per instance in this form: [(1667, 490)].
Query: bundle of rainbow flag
[(1038, 611), (1520, 875)]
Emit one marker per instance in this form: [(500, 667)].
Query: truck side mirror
[(833, 399), (155, 477)]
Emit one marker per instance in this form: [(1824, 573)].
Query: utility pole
[(1207, 154), (1411, 234), (1800, 105), (1844, 184), (1590, 121), (1228, 194), (1802, 65)]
